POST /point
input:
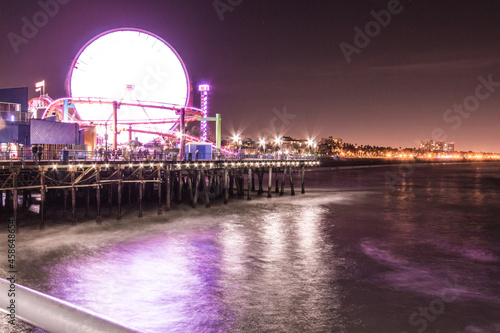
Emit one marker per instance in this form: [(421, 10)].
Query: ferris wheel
[(135, 68)]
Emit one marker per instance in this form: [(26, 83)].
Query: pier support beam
[(98, 195), (231, 183), (160, 182), (87, 206), (167, 188), (277, 175), (43, 190), (226, 190), (260, 176), (205, 189), (179, 189), (119, 195), (283, 183), (190, 189), (141, 184), (250, 178), (292, 189), (110, 198), (14, 196), (238, 183), (73, 199), (130, 185), (270, 182), (196, 188), (253, 180), (65, 205), (303, 173)]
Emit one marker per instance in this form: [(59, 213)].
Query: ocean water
[(381, 249)]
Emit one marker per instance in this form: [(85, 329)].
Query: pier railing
[(52, 314), (66, 155)]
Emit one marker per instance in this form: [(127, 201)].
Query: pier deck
[(180, 181)]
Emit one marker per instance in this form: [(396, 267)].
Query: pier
[(111, 184)]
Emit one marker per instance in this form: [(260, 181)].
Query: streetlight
[(237, 140), (262, 143), (279, 142)]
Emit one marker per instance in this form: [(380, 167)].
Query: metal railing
[(26, 154), (51, 314), (15, 116)]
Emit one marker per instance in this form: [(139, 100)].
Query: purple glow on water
[(351, 255)]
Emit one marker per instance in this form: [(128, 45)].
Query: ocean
[(400, 248)]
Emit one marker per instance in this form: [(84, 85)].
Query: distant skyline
[(374, 72)]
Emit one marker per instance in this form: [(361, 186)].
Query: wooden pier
[(167, 181)]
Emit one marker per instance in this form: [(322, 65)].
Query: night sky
[(278, 66)]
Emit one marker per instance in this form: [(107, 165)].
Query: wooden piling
[(196, 188), (292, 189), (250, 178), (270, 182), (303, 172), (159, 191), (260, 176), (98, 196), (43, 190), (141, 185), (87, 206), (237, 183), (253, 181), (110, 198), (73, 199), (167, 188), (226, 190), (65, 205), (179, 189), (190, 189), (119, 195), (130, 185), (277, 175), (14, 195), (231, 183), (282, 192), (205, 189)]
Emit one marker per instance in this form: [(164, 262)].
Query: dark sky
[(278, 65)]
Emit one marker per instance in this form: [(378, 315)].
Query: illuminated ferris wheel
[(133, 71)]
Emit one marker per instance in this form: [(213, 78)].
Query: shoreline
[(368, 162)]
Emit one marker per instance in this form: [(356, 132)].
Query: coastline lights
[(204, 89)]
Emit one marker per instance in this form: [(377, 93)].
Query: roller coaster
[(64, 110)]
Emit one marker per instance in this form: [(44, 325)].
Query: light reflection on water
[(232, 274), (355, 257)]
